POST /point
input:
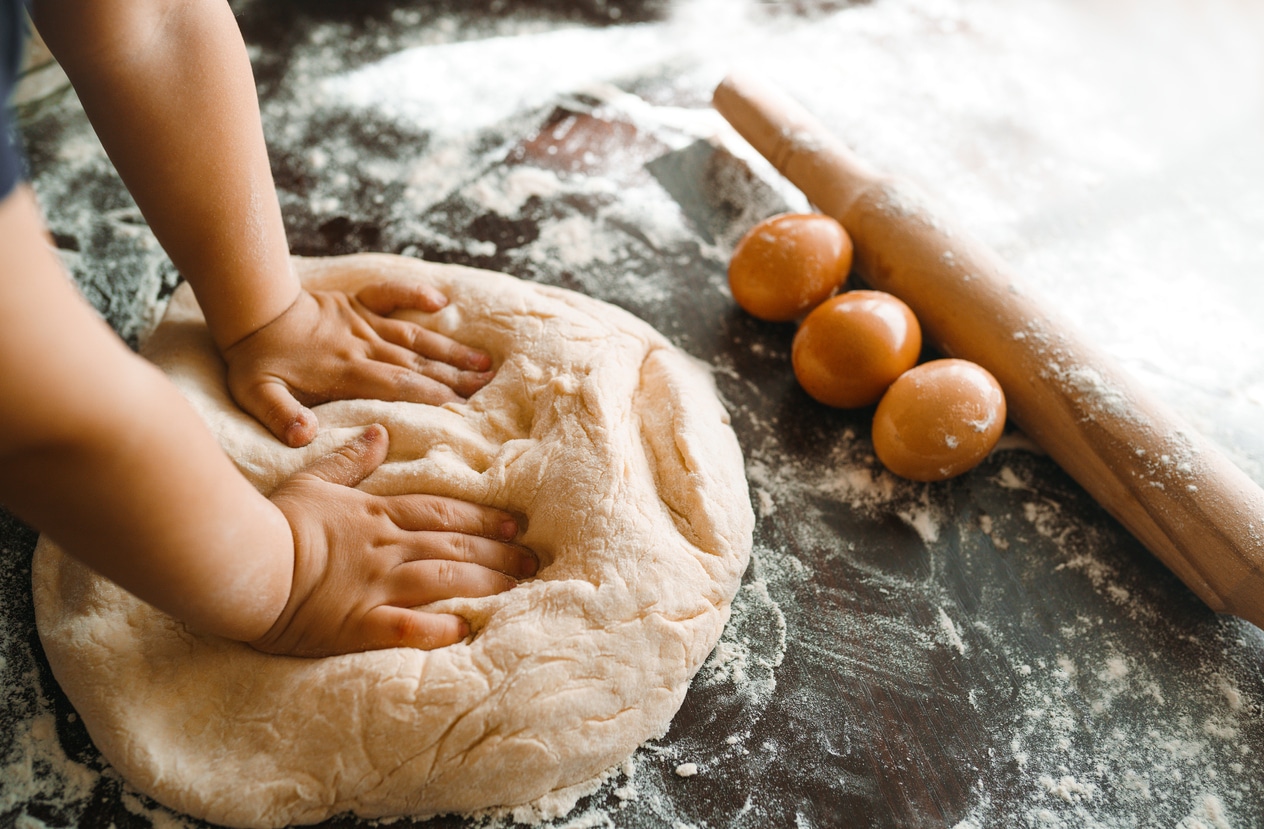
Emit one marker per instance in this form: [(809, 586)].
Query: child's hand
[(362, 561), (329, 345)]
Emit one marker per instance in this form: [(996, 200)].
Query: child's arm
[(168, 87), (100, 451)]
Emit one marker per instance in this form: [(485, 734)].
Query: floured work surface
[(607, 439), (994, 651)]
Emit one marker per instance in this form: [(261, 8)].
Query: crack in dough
[(611, 442)]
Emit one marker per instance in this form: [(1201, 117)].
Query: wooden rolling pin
[(1190, 506)]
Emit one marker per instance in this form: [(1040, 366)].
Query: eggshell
[(939, 420), (853, 346), (788, 264)]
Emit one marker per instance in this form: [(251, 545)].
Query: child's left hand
[(330, 345)]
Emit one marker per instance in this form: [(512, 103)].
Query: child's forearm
[(102, 453), (169, 89)]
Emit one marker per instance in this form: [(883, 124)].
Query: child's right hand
[(362, 562)]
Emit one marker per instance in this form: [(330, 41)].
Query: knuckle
[(344, 457), (447, 574), (378, 512), (422, 339), (403, 377), (465, 548), (406, 627), (446, 515)]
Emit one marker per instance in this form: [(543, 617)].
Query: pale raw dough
[(607, 438)]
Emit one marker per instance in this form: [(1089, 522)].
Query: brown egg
[(938, 420), (854, 345), (786, 265)]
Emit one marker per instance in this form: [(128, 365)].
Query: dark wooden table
[(989, 651)]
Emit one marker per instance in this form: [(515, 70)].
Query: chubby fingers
[(273, 404), (373, 379), (445, 529), (351, 463), (399, 627), (434, 512), (421, 342), (395, 295), (432, 550), (412, 347), (395, 624), (384, 298), (460, 383), (416, 583), (443, 564), (438, 566)]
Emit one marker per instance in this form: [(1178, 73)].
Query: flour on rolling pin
[(1200, 515)]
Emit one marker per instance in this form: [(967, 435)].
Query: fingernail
[(301, 430), (479, 361), (530, 565), (508, 528), (462, 628)]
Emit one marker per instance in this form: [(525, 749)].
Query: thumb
[(387, 626), (352, 463), (272, 405)]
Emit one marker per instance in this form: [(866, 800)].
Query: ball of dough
[(608, 439), (786, 265), (853, 346), (939, 420)]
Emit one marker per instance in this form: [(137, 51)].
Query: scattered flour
[(1207, 813), (951, 634), (1067, 788), (506, 193), (37, 767), (1089, 724)]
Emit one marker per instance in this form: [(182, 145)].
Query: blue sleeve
[(10, 160), (12, 25)]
